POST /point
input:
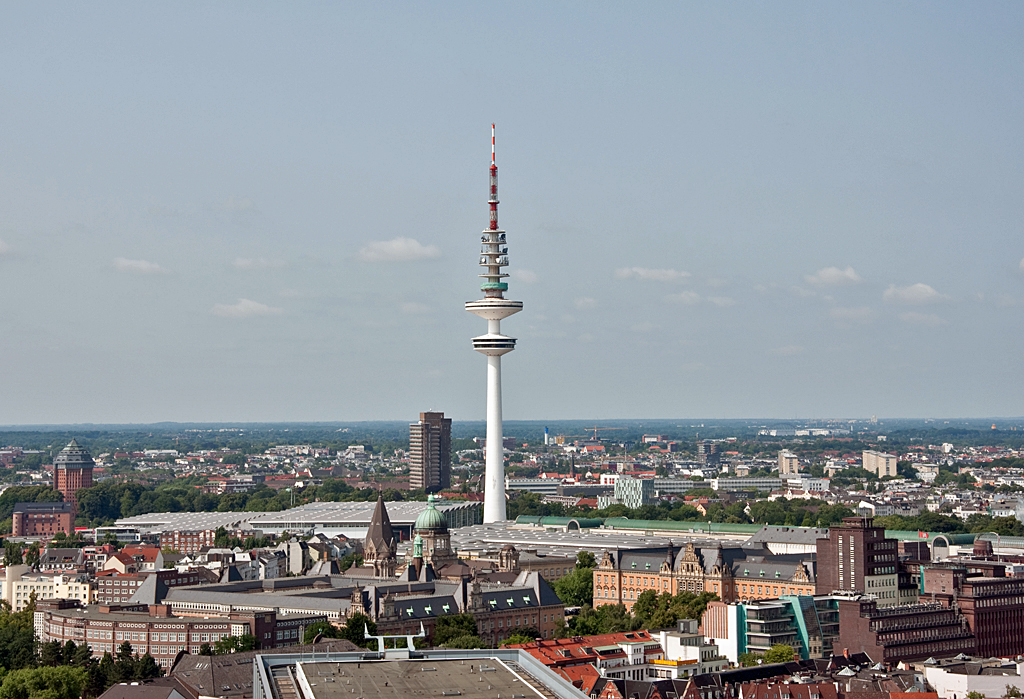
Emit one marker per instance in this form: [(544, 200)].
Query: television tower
[(493, 307)]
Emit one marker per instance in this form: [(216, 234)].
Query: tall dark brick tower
[(72, 471)]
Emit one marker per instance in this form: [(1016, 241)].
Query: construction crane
[(595, 430), (599, 429)]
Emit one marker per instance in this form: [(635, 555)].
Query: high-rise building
[(493, 308), (72, 471), (789, 463), (707, 453), (857, 556), (879, 463), (430, 452)]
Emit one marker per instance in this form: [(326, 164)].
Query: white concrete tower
[(493, 307)]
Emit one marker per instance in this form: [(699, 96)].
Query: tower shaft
[(493, 308), (494, 472)]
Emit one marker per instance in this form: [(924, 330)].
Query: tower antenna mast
[(494, 307)]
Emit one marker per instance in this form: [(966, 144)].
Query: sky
[(249, 211)]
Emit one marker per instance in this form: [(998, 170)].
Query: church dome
[(430, 518)]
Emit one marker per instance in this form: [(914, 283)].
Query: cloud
[(722, 301), (862, 314), (123, 264), (929, 319), (4, 248), (524, 275), (414, 308), (244, 309), (397, 250), (644, 327), (787, 351), (257, 263), (687, 298), (833, 276), (585, 302), (651, 275), (1022, 264), (914, 295)]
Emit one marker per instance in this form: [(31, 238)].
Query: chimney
[(846, 653)]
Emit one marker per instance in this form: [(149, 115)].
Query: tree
[(32, 555), (206, 649), (44, 683), (356, 628), (974, 695), (453, 626), (12, 553), (576, 588), (585, 559), (349, 560), (517, 638), (779, 653), (748, 659), (465, 642), (1012, 692), (646, 605), (324, 628), (235, 644)]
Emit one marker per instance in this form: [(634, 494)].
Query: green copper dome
[(430, 518)]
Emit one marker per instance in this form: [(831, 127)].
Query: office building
[(789, 463), (634, 492), (879, 463), (809, 624), (856, 556), (708, 453), (430, 452)]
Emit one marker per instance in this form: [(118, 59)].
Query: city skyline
[(212, 215)]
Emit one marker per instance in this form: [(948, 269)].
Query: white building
[(20, 585), (789, 463), (879, 463)]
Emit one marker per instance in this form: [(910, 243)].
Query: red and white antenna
[(493, 201)]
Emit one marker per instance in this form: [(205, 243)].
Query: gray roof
[(807, 536), (73, 456), (42, 507), (233, 673)]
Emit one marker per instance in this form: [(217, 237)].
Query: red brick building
[(151, 628), (72, 471), (856, 556), (43, 519), (904, 632), (992, 603)]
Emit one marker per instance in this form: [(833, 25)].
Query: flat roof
[(466, 679), (491, 537), (185, 521), (351, 515)]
